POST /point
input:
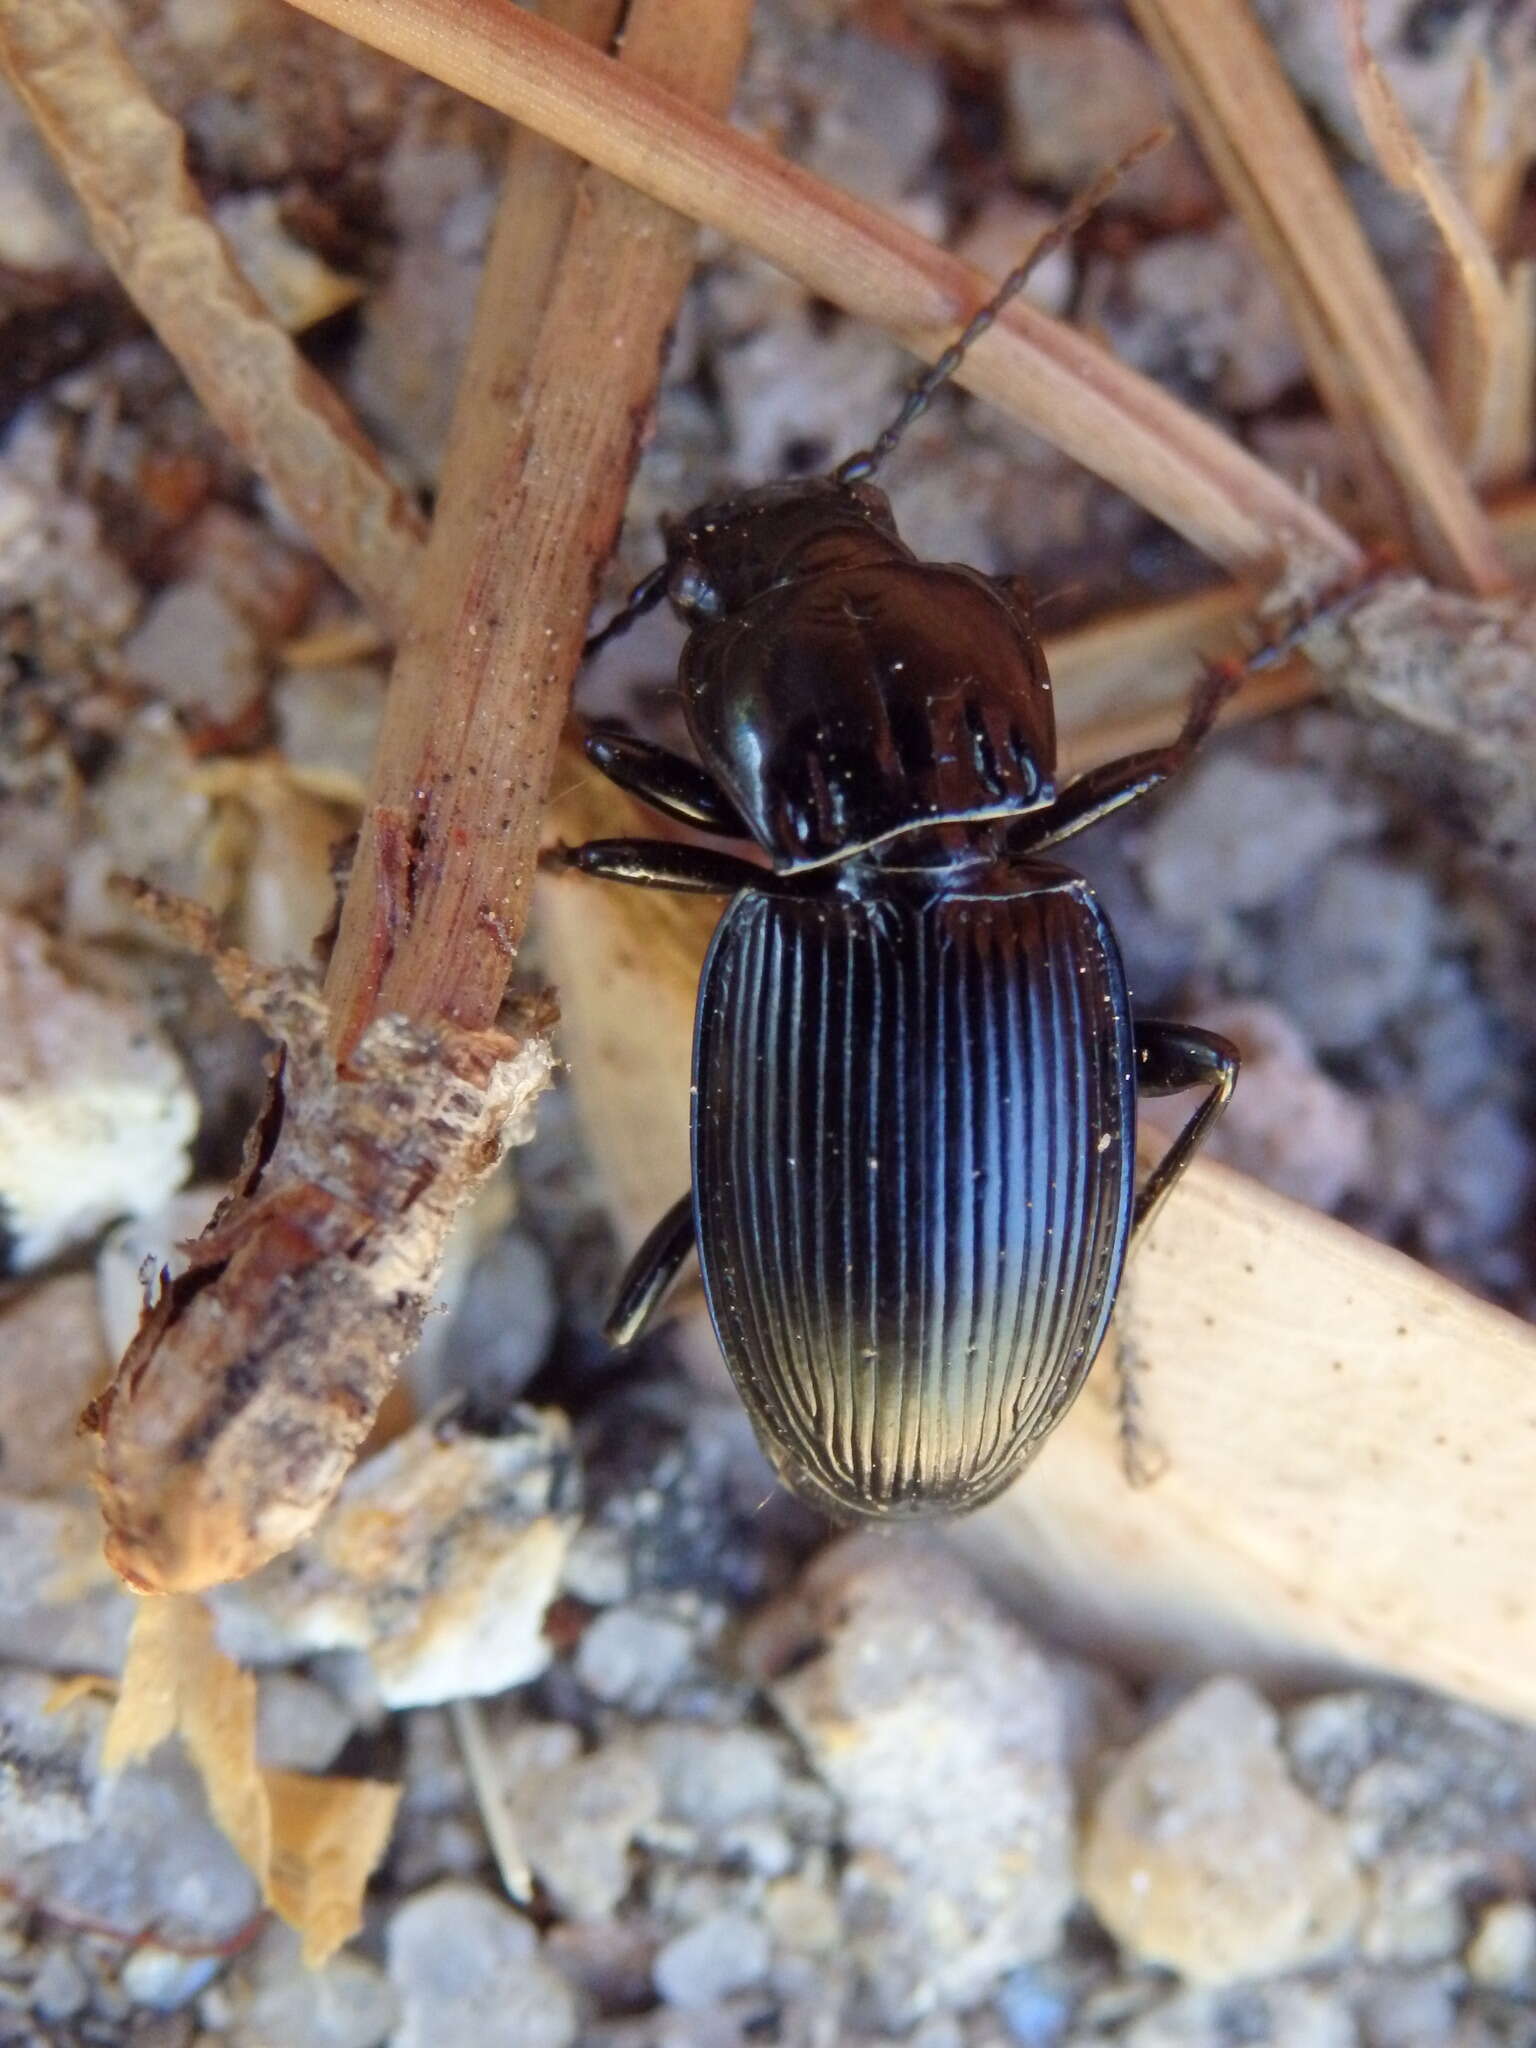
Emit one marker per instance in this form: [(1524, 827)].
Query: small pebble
[(196, 653), (631, 1657), (59, 1989), (467, 1969), (1202, 1854), (1502, 1952), (164, 1980), (720, 1956)]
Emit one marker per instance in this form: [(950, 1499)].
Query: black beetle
[(915, 1063)]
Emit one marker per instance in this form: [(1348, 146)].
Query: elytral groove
[(908, 1233)]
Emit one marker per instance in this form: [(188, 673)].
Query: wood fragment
[(1348, 1435), (125, 159), (311, 1843), (258, 1372), (1048, 375), (1272, 167)]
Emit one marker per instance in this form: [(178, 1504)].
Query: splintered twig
[(1369, 373), (126, 160), (1054, 379)]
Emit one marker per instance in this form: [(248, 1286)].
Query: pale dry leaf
[(327, 1837), (310, 1842)]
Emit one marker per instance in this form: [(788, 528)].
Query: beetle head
[(724, 555)]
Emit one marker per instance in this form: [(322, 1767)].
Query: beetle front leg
[(651, 1272), (665, 864), (1169, 1059), (1104, 790), (668, 782)]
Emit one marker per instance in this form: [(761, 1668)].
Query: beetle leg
[(664, 864), (1170, 1058), (1102, 790), (651, 1272), (668, 782)]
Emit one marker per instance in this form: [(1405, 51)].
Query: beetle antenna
[(645, 597), (918, 399)]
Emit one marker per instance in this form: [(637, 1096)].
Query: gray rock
[(60, 1989), (1288, 1124), (1202, 1854), (1080, 92), (1357, 952), (501, 1329), (466, 1968), (1237, 834), (577, 1822), (715, 1778), (300, 1725), (348, 2004), (632, 1656), (1438, 1800), (164, 1980), (963, 1867), (195, 651), (1502, 1951), (48, 1772), (724, 1954)]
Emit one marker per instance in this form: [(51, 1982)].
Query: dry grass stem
[(1273, 168), (1056, 380), (1486, 369), (126, 162), (533, 490)]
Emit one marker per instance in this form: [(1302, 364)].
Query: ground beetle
[(915, 1063)]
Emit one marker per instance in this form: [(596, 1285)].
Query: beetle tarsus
[(1169, 1059), (650, 1273)]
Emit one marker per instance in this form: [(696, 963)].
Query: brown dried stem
[(125, 159), (1486, 369), (1273, 168), (1054, 379), (546, 435)]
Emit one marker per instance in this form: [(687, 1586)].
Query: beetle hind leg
[(1169, 1059), (651, 1272)]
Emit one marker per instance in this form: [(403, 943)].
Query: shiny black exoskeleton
[(915, 1064)]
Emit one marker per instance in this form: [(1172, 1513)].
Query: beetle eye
[(691, 591)]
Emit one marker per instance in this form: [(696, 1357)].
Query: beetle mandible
[(915, 1063)]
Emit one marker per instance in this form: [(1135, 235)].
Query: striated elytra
[(915, 1061)]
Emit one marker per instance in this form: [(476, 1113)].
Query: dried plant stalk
[(1487, 373), (1046, 374), (1347, 1435), (255, 1378), (533, 491), (258, 1372), (126, 162), (1273, 168)]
